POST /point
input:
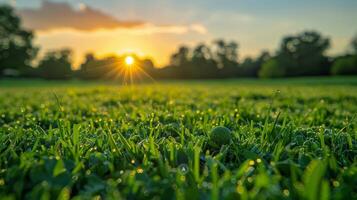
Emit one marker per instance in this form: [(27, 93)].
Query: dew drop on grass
[(183, 168), (139, 170), (74, 178), (240, 189), (336, 183), (183, 178), (286, 192)]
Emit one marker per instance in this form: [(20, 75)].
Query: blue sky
[(254, 24)]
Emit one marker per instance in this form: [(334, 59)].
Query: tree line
[(302, 54)]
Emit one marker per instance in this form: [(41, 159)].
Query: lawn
[(287, 139)]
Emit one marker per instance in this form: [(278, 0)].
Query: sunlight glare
[(129, 60)]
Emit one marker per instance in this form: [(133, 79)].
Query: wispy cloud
[(52, 15), (144, 29)]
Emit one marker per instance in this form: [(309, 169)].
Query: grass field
[(288, 139)]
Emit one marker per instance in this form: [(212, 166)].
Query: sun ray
[(126, 68)]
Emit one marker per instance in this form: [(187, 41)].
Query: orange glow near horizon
[(103, 43), (129, 69)]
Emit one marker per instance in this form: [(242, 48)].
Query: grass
[(291, 139)]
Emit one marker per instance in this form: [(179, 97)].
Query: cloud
[(199, 28), (61, 17), (144, 29), (149, 28), (52, 16)]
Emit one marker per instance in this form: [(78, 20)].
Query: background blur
[(177, 39)]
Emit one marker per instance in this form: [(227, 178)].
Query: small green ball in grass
[(221, 135)]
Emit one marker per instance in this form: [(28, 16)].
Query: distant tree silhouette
[(16, 48), (202, 62), (181, 57), (201, 52), (147, 64), (346, 65), (113, 67), (91, 68), (354, 44), (250, 67), (226, 57), (148, 68), (303, 54), (271, 69), (105, 68), (180, 64), (226, 53), (56, 65), (247, 67)]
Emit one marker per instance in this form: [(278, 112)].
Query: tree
[(147, 65), (250, 67), (354, 44), (201, 52), (203, 65), (226, 57), (181, 57), (303, 54), (263, 57), (225, 53), (90, 69), (56, 65), (217, 61), (180, 64), (145, 69), (104, 68), (16, 48), (271, 69), (345, 66)]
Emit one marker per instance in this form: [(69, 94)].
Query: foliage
[(303, 54), (16, 48), (354, 44), (56, 65), (226, 53), (217, 61), (345, 66), (288, 140), (114, 68), (251, 67), (271, 69), (181, 57), (94, 68)]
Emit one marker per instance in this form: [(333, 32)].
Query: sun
[(129, 60), (128, 68)]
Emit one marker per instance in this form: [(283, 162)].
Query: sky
[(156, 28)]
